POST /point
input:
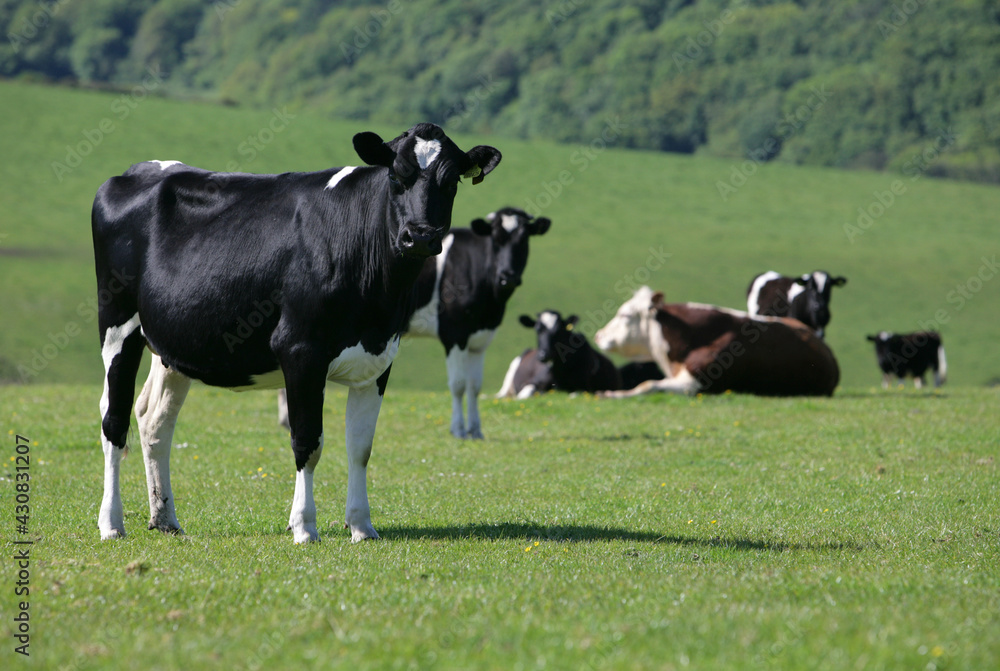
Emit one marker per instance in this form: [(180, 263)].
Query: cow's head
[(424, 168), (509, 230), (556, 336), (817, 288), (629, 331)]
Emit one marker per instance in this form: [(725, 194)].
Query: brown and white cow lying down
[(703, 348)]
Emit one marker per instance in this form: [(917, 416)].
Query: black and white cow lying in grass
[(266, 281), (806, 298), (563, 360)]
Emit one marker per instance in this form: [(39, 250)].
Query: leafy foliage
[(708, 75)]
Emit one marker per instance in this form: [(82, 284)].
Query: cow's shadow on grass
[(597, 534)]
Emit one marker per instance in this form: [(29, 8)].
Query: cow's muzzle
[(419, 240)]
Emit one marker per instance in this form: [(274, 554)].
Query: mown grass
[(616, 213), (662, 532)]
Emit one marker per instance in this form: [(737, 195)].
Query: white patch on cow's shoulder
[(753, 298), (424, 321), (341, 174), (548, 320), (510, 222), (356, 367), (426, 151), (166, 164), (794, 291)]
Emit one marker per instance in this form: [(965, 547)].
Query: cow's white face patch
[(426, 151), (820, 281), (548, 320), (344, 172), (509, 223), (166, 164)]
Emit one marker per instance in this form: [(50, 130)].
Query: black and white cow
[(572, 363), (263, 281), (463, 293), (806, 298), (461, 296), (910, 354)]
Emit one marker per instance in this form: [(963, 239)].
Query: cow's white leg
[(682, 383), (918, 381), (156, 410), (283, 409), (474, 383), (507, 388), (526, 392), (121, 351), (363, 404), (457, 381), (885, 380), (111, 519), (302, 520)]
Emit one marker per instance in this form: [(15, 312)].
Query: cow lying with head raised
[(263, 281), (563, 360), (806, 298), (703, 348), (910, 354)]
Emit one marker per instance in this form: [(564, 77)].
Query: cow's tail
[(507, 388), (941, 374)]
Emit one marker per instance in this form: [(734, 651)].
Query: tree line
[(879, 84)]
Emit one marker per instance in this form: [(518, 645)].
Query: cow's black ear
[(802, 281), (527, 321), (571, 321), (539, 226), (373, 150), (872, 338), (481, 227), (839, 281), (484, 159)]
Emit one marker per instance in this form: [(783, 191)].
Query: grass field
[(925, 259), (856, 532)]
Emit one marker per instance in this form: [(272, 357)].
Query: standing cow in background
[(461, 296), (806, 298), (910, 354), (321, 265)]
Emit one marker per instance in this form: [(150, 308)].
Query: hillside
[(856, 83), (620, 218)]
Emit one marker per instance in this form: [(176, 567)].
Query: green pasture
[(925, 258), (853, 532)]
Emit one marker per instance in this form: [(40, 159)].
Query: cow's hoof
[(170, 529), (474, 434), (303, 536), (366, 533), (112, 534), (458, 433)]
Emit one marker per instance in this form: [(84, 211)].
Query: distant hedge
[(880, 84)]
